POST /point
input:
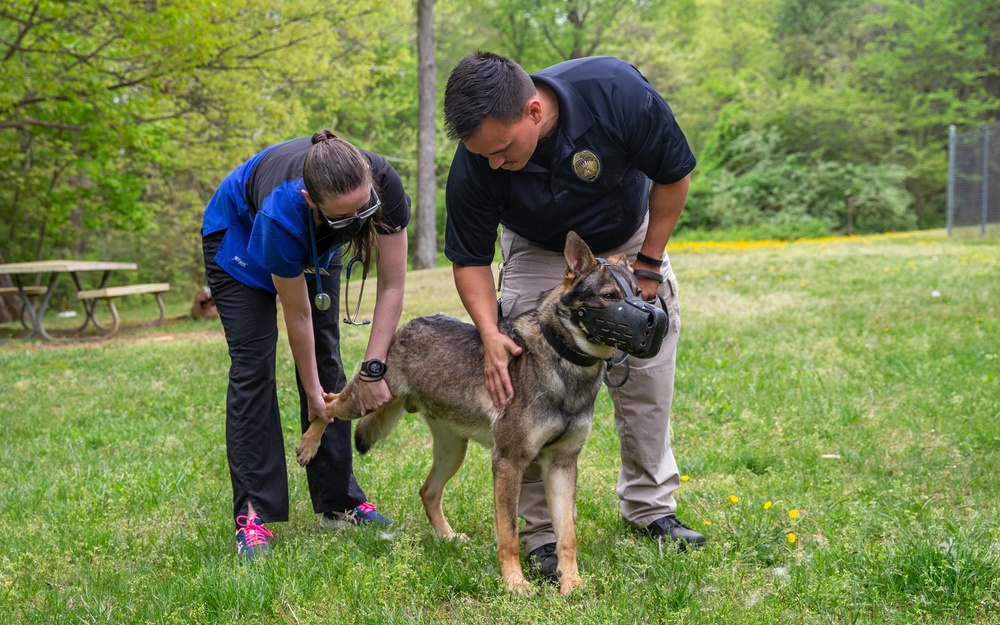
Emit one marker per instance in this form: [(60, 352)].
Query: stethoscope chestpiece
[(322, 300)]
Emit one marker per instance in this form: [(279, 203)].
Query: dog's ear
[(619, 259), (579, 258)]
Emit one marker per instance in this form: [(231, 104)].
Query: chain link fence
[(974, 177)]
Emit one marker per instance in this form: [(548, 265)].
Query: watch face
[(375, 367)]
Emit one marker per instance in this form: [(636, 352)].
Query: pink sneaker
[(251, 538)]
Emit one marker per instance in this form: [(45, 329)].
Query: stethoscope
[(322, 301)]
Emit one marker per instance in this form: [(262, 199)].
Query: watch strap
[(649, 260), (652, 275)]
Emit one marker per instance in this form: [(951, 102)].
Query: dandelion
[(767, 505), (791, 538), (707, 523), (734, 498), (793, 514), (685, 478)]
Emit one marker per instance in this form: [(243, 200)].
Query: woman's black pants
[(254, 441)]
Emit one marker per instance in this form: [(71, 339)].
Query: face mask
[(351, 228)]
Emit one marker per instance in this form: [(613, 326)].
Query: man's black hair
[(484, 85)]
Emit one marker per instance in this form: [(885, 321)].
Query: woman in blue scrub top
[(276, 229)]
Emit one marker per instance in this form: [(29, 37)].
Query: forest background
[(118, 118)]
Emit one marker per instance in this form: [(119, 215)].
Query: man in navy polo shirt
[(586, 145)]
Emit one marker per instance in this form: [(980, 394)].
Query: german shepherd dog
[(435, 367)]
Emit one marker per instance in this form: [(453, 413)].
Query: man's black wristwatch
[(649, 260), (373, 370)]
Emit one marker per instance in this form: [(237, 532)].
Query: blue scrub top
[(591, 175), (260, 207)]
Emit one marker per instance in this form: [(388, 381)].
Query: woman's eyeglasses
[(374, 203)]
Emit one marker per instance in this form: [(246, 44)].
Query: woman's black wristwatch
[(373, 370)]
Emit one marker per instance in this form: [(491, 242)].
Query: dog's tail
[(376, 425)]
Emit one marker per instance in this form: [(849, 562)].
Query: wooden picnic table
[(55, 268)]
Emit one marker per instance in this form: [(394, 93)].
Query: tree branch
[(25, 123), (26, 26)]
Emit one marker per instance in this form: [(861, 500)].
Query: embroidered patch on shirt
[(586, 165)]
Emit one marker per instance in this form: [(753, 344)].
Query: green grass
[(823, 377)]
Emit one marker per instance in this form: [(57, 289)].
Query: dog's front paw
[(518, 586), (568, 582), (305, 452), (462, 538)]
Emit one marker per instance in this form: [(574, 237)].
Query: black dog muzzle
[(632, 325)]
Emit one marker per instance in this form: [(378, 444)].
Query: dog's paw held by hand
[(302, 456), (305, 452)]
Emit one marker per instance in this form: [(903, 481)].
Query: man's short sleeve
[(652, 138), (473, 212)]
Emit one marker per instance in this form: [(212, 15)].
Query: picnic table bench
[(29, 291), (110, 293)]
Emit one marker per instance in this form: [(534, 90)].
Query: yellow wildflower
[(794, 514), (734, 498), (685, 478), (767, 505), (791, 538)]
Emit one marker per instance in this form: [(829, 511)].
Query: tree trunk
[(425, 234)]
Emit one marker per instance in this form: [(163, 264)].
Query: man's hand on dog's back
[(498, 351), (477, 289)]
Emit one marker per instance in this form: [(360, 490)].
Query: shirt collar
[(575, 117)]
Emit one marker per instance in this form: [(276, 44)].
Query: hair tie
[(324, 135)]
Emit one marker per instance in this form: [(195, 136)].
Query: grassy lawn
[(837, 422)]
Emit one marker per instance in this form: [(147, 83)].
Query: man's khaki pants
[(648, 476)]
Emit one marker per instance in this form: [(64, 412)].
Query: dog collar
[(567, 352)]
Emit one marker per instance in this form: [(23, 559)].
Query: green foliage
[(107, 105), (838, 80), (757, 183), (538, 33)]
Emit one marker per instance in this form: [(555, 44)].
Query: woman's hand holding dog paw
[(317, 408)]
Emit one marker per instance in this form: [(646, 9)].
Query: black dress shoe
[(544, 562), (671, 528)]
